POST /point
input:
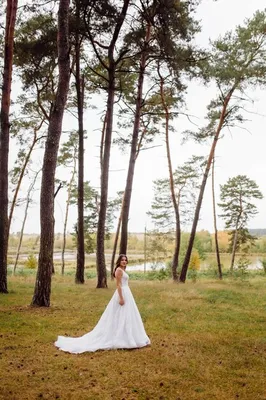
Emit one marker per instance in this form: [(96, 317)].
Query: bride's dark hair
[(117, 264)]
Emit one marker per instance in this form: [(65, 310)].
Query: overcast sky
[(240, 152)]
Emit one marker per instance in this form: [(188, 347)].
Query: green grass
[(208, 342)]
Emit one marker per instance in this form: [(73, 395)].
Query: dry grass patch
[(208, 342)]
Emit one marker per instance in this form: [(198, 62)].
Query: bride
[(120, 326)]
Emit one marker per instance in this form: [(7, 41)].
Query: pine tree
[(237, 208)]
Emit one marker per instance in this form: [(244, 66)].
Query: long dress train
[(120, 327)]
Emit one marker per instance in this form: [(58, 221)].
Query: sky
[(241, 151)]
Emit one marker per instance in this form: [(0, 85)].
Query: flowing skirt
[(120, 327)]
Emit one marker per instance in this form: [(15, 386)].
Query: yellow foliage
[(194, 263)]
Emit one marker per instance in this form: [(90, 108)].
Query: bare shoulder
[(118, 272)]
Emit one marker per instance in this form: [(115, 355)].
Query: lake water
[(255, 263), (149, 266)]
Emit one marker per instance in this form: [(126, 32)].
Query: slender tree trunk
[(42, 291), (11, 12), (66, 216), (203, 184), (115, 246), (101, 266), (235, 238), (79, 278), (116, 239), (172, 185), (55, 194), (21, 176), (134, 149), (234, 249), (102, 142), (100, 256), (24, 220), (215, 225)]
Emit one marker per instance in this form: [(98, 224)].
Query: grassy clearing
[(208, 342)]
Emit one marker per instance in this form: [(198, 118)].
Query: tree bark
[(115, 246), (234, 249), (79, 278), (134, 149), (217, 251), (203, 185), (42, 291), (235, 238), (66, 216), (101, 267), (172, 185), (100, 253), (116, 240), (11, 12)]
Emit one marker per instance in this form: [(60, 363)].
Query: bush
[(194, 265), (31, 262), (243, 264)]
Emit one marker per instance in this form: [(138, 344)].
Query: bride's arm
[(118, 276)]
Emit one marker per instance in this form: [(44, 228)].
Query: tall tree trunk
[(203, 184), (100, 256), (234, 249), (79, 278), (66, 216), (134, 149), (116, 239), (172, 184), (217, 251), (235, 238), (24, 220), (115, 245), (11, 12), (42, 291), (102, 142)]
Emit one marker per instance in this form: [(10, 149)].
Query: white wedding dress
[(120, 327)]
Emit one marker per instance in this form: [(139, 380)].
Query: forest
[(128, 64), (139, 56)]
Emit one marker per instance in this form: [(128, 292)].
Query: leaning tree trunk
[(234, 250), (116, 240), (134, 149), (79, 278), (203, 185), (172, 185), (115, 246), (42, 291), (11, 12), (217, 251), (22, 173)]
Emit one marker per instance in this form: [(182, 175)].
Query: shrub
[(31, 262), (194, 265), (242, 264), (212, 269)]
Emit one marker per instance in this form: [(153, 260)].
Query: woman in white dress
[(120, 326)]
